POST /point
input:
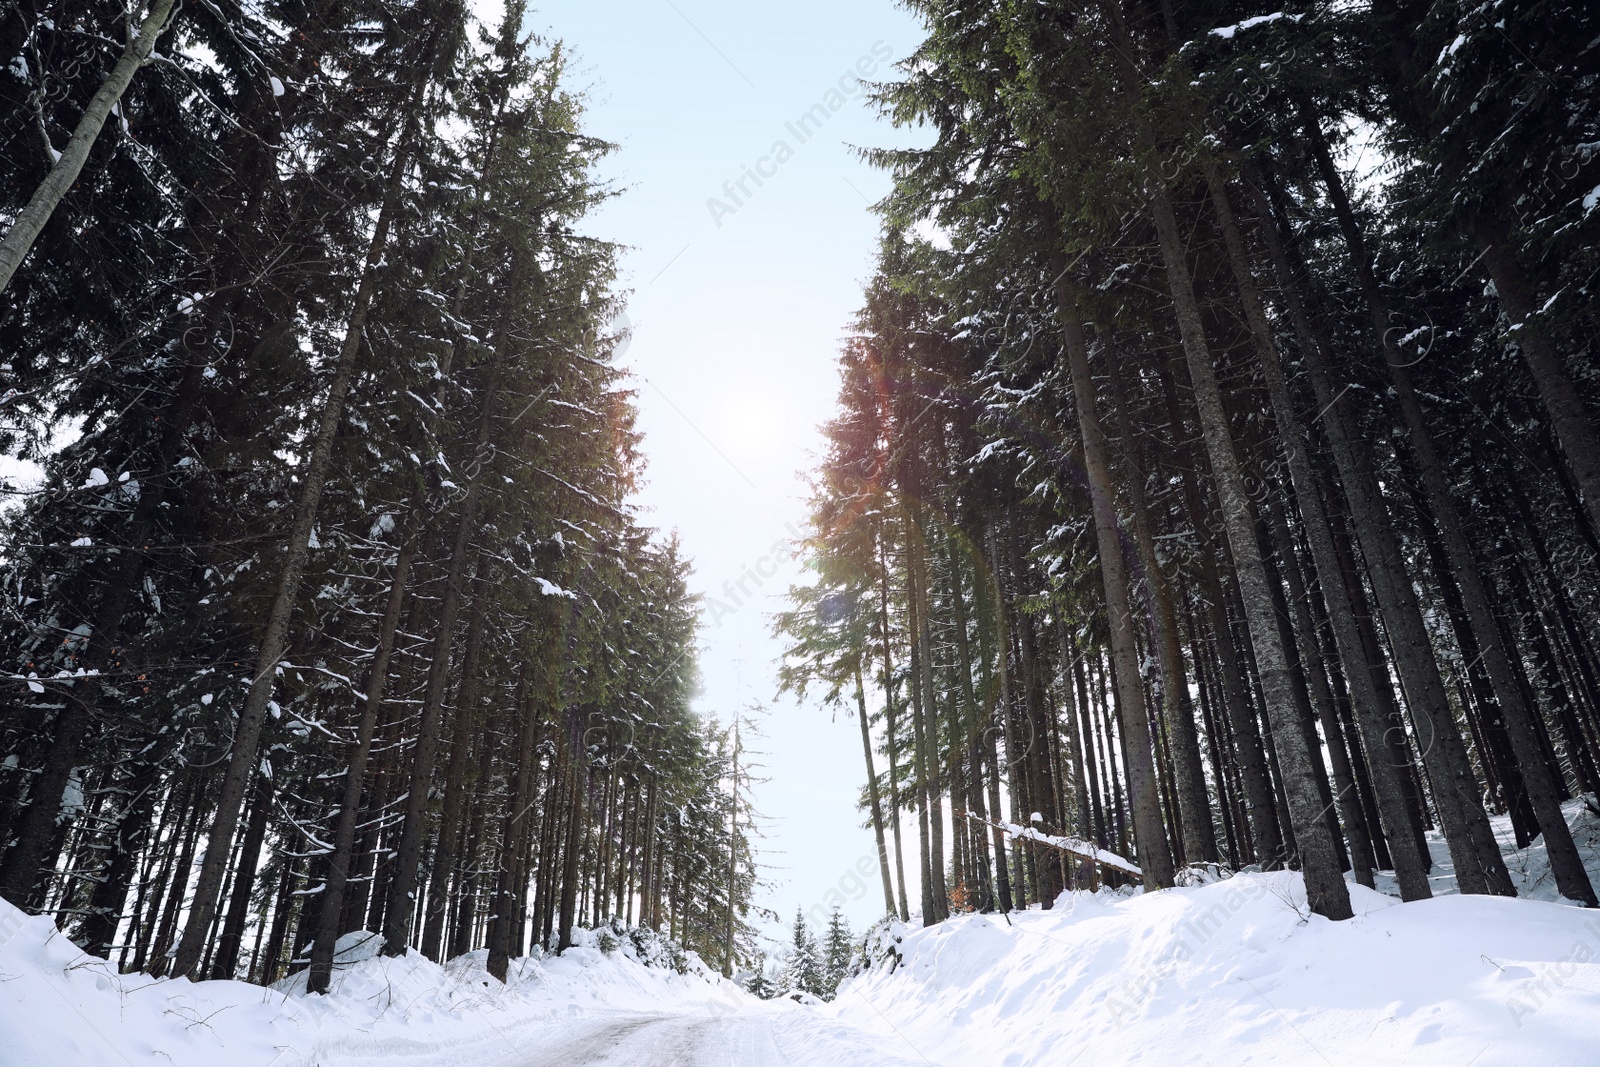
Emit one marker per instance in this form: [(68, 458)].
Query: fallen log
[(1075, 845)]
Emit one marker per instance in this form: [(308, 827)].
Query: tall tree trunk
[(1550, 680), (226, 957), (1097, 816), (1412, 877), (401, 906), (187, 834), (513, 826), (1261, 818), (1565, 863), (1194, 807), (275, 638), (83, 697), (282, 911), (1326, 891), (1561, 396), (344, 836), (991, 635), (1041, 789), (1155, 854), (1278, 552), (647, 872), (922, 752), (1487, 725), (576, 810), (872, 795), (1072, 758), (733, 858), (130, 838), (966, 730), (1347, 798), (1479, 867), (921, 587), (450, 814), (31, 221), (891, 742)]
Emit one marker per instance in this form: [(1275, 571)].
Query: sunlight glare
[(752, 422)]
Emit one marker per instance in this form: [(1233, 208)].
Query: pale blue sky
[(735, 331)]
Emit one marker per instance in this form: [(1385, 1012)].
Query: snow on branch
[(1075, 845)]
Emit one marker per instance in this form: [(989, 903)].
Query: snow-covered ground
[(61, 1008), (1238, 972), (1234, 972)]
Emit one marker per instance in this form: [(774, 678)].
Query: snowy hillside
[(58, 1006), (1234, 972), (1240, 972)]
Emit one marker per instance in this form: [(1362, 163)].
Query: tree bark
[(450, 817), (872, 794), (1479, 866), (513, 827), (733, 857), (130, 837), (933, 777), (1260, 823), (922, 749), (226, 957), (402, 901), (1562, 398), (31, 221), (1194, 806), (344, 836), (1326, 891), (1347, 798), (1412, 877), (892, 745), (1478, 863), (576, 810), (1155, 855), (1565, 862)]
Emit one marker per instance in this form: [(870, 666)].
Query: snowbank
[(1240, 972), (1234, 971), (61, 1007)]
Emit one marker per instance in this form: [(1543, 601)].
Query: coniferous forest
[(331, 610), (1216, 479), (1203, 549)]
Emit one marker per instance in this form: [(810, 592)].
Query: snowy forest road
[(736, 1039), (670, 1041), (769, 1036)]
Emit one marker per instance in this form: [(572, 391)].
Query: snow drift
[(1236, 971), (1239, 972), (61, 1007)]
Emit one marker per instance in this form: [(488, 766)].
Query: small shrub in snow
[(1202, 874), (759, 985), (881, 945)]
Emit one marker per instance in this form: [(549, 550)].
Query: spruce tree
[(758, 984), (837, 949), (804, 970)]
